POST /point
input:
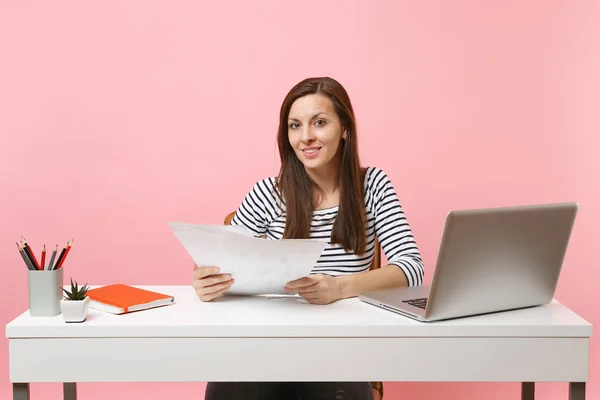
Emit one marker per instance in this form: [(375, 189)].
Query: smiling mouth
[(312, 150)]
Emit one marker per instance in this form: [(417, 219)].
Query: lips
[(311, 150), (310, 153)]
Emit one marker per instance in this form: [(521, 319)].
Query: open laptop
[(490, 260)]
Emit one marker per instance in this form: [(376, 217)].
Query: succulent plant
[(76, 293)]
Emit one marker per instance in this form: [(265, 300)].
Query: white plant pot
[(74, 310)]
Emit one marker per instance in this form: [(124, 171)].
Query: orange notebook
[(121, 299)]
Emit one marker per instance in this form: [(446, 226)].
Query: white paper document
[(259, 266)]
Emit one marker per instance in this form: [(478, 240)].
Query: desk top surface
[(232, 316)]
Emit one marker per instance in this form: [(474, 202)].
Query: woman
[(322, 192)]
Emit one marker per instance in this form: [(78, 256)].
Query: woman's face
[(315, 132)]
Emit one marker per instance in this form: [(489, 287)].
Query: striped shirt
[(263, 213)]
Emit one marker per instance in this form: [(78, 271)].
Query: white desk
[(278, 339)]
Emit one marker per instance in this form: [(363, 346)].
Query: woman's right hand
[(209, 283)]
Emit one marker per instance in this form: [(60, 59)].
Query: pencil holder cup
[(45, 292)]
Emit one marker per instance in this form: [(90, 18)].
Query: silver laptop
[(490, 260)]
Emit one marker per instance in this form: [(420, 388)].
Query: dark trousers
[(289, 391)]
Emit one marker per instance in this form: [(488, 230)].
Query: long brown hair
[(298, 189)]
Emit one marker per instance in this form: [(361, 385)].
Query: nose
[(307, 135)]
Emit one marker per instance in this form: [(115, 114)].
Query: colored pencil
[(66, 252), (49, 268), (25, 258), (42, 266), (60, 258), (31, 255)]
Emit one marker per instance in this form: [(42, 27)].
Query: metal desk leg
[(577, 391), (527, 390), (70, 391), (20, 391)]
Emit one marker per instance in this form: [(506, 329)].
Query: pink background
[(118, 116)]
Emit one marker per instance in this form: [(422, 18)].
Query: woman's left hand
[(316, 289)]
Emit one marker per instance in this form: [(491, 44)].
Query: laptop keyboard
[(421, 303)]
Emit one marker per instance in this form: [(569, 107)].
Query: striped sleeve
[(257, 208), (392, 228)]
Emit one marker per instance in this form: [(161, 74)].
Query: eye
[(320, 122), (293, 125)]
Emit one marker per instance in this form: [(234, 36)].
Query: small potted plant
[(75, 304)]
